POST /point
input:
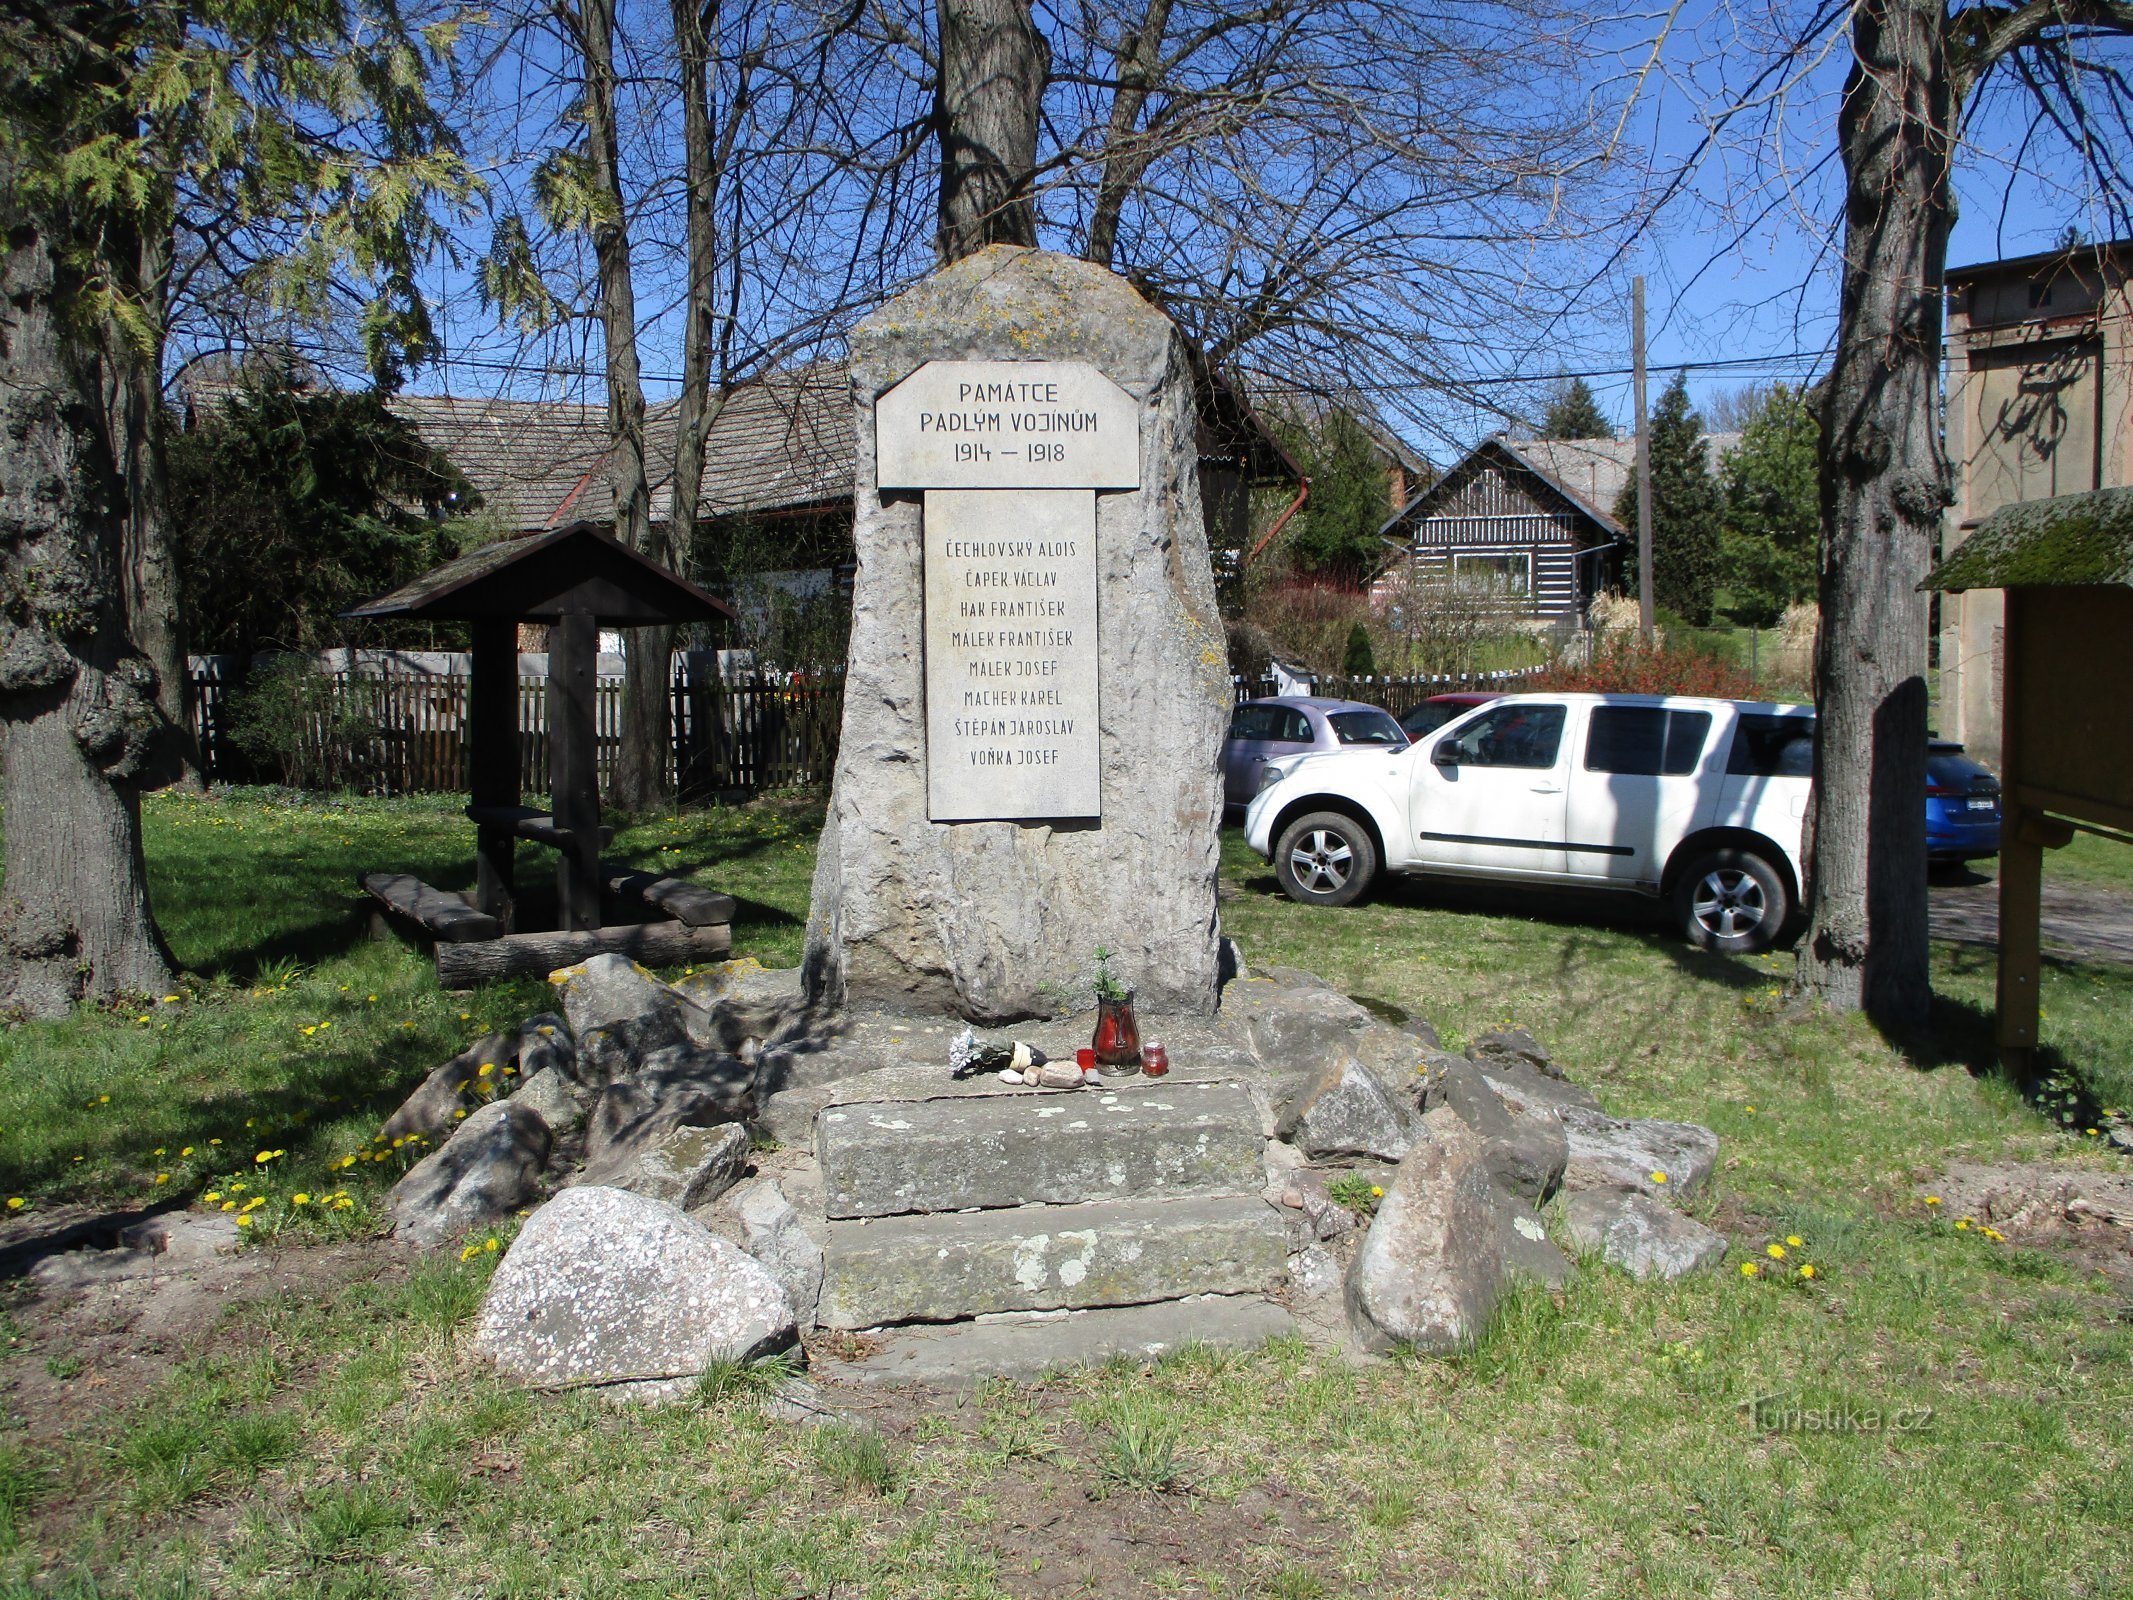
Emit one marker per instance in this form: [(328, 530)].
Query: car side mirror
[(1446, 754)]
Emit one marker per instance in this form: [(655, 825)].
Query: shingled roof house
[(1532, 518), (782, 448)]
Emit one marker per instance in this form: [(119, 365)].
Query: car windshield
[(1365, 727), (1951, 769), (1429, 716)]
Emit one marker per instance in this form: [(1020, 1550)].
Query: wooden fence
[(1397, 695), (396, 735)]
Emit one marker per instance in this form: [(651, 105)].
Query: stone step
[(884, 1157), (957, 1355), (1045, 1258)]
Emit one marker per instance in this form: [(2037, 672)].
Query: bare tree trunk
[(994, 61), (1885, 481), (694, 415), (1126, 158), (640, 763), (79, 731), (154, 604)]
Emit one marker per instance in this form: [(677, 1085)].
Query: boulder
[(606, 1287), (453, 1088), (614, 1051), (1431, 1269), (683, 1166), (553, 1097), (1327, 1217), (488, 1168), (183, 1238), (679, 1085), (1293, 1028), (1661, 1159), (1399, 1060), (1636, 1233), (1528, 1148), (1512, 1047), (607, 990), (772, 1232), (1343, 1112), (1529, 1255), (995, 919), (1523, 1087), (546, 1043)]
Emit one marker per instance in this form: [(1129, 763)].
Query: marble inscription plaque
[(1011, 676), (1007, 425)]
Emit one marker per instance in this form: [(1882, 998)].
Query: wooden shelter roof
[(540, 578), (2069, 540)]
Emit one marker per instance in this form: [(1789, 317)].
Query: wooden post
[(2021, 878), (573, 778), (492, 760)]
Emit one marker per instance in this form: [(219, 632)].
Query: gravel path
[(2095, 924)]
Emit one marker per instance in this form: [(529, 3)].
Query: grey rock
[(1431, 1269), (1523, 1087), (683, 1166), (1035, 1258), (1024, 1348), (183, 1238), (1420, 1029), (616, 1050), (1314, 1274), (1328, 1218), (70, 1270), (772, 1232), (545, 1043), (1527, 1148), (1010, 1149), (1529, 1255), (1294, 1028), (1513, 1046), (435, 1105), (1343, 1112), (1638, 1234), (680, 1085), (606, 1287), (553, 1097), (1400, 1062), (488, 1168), (607, 990), (995, 920), (1616, 1153)]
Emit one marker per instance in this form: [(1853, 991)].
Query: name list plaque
[(1010, 455)]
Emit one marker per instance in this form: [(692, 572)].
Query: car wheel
[(1325, 859), (1731, 900)]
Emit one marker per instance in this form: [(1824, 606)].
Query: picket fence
[(403, 733)]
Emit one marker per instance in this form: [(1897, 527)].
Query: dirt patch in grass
[(79, 1355), (2078, 1212)]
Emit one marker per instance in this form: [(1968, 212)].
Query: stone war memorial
[(1038, 681), (906, 1145)]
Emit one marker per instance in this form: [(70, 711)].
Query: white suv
[(1699, 801)]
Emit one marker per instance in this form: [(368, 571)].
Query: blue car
[(1962, 806)]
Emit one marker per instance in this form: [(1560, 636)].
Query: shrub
[(301, 725), (1626, 668)]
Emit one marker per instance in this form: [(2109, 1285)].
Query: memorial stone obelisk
[(1038, 682)]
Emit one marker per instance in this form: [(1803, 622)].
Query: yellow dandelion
[(214, 1141), (1932, 1199), (1775, 1252), (467, 1254), (188, 1150), (490, 1246), (299, 1199), (170, 999), (1376, 1193), (263, 1157), (158, 1150), (212, 1196), (372, 998), (1658, 1177), (1793, 1239), (162, 1177), (1749, 1269), (244, 1221), (16, 1202), (229, 1205), (484, 1069), (1807, 1269), (1962, 1224), (2091, 1132), (103, 1099), (458, 1115)]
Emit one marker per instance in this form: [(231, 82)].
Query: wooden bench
[(698, 907), (444, 917), (528, 823)]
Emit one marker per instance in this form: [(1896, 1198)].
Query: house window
[(1510, 573)]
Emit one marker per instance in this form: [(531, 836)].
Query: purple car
[(1261, 730)]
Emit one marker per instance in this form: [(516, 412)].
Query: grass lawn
[(332, 1437)]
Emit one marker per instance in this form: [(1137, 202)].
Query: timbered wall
[(1488, 513)]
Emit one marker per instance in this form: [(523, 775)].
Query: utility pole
[(1644, 465)]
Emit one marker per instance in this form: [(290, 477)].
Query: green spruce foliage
[(1335, 536), (1359, 660), (1686, 510), (1773, 512), (1575, 414), (290, 505)]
